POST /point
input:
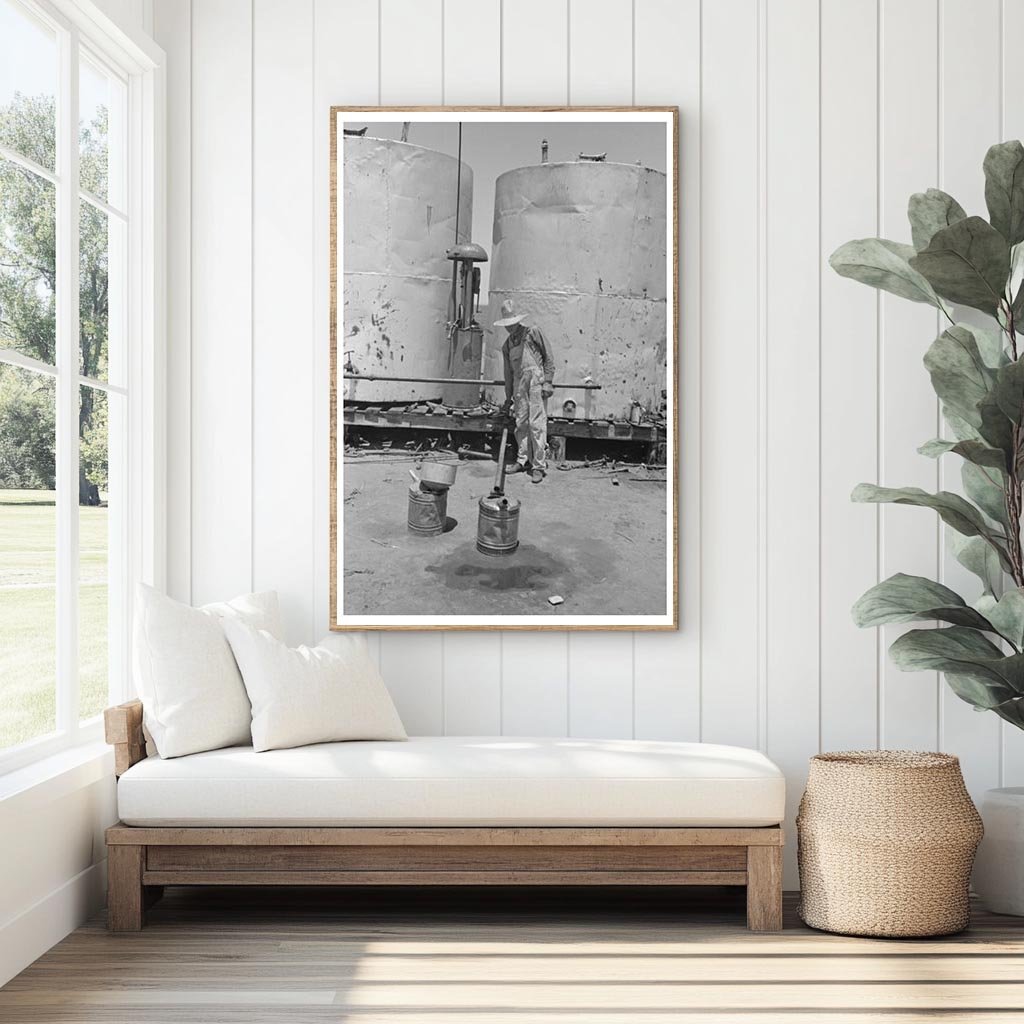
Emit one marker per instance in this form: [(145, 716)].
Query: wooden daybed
[(179, 846)]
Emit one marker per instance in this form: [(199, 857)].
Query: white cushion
[(192, 693), (458, 780), (309, 694)]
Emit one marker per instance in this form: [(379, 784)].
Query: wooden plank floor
[(220, 956)]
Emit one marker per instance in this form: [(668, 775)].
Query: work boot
[(518, 467), (537, 475)]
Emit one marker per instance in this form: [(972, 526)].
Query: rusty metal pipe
[(458, 380)]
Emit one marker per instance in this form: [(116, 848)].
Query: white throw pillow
[(309, 694), (191, 690)]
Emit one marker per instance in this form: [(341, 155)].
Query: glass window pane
[(28, 548), (101, 280), (28, 85), (94, 533), (102, 107), (28, 263)]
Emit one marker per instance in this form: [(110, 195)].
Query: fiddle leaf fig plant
[(977, 372)]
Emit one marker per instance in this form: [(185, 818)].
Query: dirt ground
[(599, 546)]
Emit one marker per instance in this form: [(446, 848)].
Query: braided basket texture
[(886, 841)]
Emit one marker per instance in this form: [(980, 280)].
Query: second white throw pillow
[(308, 695)]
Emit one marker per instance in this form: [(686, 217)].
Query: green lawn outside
[(28, 523)]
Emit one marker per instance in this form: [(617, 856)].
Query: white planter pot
[(999, 867)]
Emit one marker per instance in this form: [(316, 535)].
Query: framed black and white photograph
[(504, 413)]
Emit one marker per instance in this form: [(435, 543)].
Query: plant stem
[(1012, 495)]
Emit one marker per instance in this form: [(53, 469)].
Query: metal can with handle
[(498, 525)]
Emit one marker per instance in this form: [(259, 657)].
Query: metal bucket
[(436, 476), (497, 530), (427, 512)]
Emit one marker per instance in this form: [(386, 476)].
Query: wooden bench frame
[(142, 860)]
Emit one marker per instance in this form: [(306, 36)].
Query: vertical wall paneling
[(472, 684), (173, 28), (666, 669), (221, 283), (283, 338), (601, 685), (601, 72), (346, 53), (535, 684), (601, 52), (730, 270), (411, 51), (345, 49), (534, 51), (1012, 127), (849, 369), (472, 74), (792, 415), (968, 125), (414, 670), (909, 412), (472, 53)]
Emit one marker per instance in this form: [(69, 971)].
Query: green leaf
[(903, 598), (930, 212), (995, 427), (1009, 390), (1016, 270), (883, 264), (961, 429), (990, 345), (958, 372), (973, 451), (967, 263), (976, 555), (963, 652), (1011, 711), (952, 509), (1016, 309), (1006, 614), (1004, 189), (982, 693), (985, 487)]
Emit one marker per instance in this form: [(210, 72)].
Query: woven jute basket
[(886, 841)]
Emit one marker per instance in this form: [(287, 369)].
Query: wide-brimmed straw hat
[(509, 317)]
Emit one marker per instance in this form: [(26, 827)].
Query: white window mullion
[(67, 386)]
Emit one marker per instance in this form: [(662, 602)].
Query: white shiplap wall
[(804, 123)]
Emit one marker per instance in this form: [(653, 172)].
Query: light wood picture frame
[(484, 255)]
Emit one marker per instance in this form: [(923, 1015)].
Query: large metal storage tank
[(397, 220), (580, 249)]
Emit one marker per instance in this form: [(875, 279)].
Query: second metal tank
[(396, 222), (580, 248)]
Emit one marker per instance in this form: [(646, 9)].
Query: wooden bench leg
[(764, 888), (125, 896)]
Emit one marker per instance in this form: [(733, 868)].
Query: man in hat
[(529, 372)]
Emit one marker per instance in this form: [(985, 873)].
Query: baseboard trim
[(31, 933)]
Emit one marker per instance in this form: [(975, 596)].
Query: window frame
[(139, 63)]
